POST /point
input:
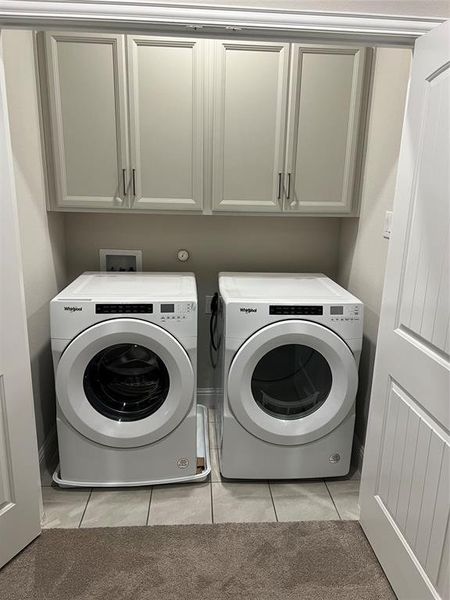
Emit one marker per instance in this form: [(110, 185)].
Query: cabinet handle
[(288, 192), (134, 182), (280, 176), (124, 185)]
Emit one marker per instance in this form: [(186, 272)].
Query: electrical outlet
[(208, 299)]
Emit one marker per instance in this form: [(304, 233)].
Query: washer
[(125, 350), (288, 366)]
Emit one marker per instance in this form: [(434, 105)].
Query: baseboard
[(207, 397)]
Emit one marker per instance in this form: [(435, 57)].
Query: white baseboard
[(207, 397)]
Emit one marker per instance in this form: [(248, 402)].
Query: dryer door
[(292, 382), (124, 383)]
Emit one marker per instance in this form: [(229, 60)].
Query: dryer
[(289, 375), (125, 350)]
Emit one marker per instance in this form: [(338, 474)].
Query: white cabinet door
[(325, 102), (19, 471), (405, 487), (250, 93), (88, 119), (166, 122)]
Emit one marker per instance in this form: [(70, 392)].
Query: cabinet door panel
[(88, 118), (166, 125), (324, 119), (249, 125)]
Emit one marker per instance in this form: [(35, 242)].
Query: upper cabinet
[(250, 92), (126, 134), (86, 92), (217, 126), (324, 133), (166, 122)]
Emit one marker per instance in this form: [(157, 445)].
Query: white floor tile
[(303, 502), (117, 508), (180, 504), (345, 496), (63, 508), (242, 502)]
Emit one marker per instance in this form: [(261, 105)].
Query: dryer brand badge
[(247, 311), (73, 308), (183, 463)]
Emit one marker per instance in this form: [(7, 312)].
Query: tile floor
[(215, 501)]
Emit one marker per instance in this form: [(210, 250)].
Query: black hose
[(213, 344)]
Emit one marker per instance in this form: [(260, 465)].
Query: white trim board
[(133, 15)]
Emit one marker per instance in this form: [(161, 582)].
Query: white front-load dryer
[(125, 349), (289, 375)]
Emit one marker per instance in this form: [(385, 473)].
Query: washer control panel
[(172, 312), (347, 312), (164, 311), (118, 309)]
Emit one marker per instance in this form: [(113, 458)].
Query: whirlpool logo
[(73, 308), (247, 311)]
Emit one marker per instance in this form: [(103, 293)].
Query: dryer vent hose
[(214, 341)]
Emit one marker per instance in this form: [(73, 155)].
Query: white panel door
[(405, 493), (249, 125), (166, 122), (86, 80), (325, 106), (19, 470)]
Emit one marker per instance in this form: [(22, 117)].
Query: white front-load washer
[(288, 369), (125, 349)]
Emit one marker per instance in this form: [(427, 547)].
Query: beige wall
[(363, 250), (216, 244), (42, 233)]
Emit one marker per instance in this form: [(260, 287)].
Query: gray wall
[(362, 248), (215, 243), (42, 233)]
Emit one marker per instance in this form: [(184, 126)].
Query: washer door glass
[(291, 381), (126, 382)]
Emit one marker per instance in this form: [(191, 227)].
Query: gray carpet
[(318, 560)]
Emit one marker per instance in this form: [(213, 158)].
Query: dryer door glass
[(126, 382), (291, 381)]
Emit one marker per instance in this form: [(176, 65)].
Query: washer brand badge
[(247, 311), (183, 463), (73, 308)]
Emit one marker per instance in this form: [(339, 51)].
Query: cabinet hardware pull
[(288, 192), (124, 185), (134, 182), (280, 175)]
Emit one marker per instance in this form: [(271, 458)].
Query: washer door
[(124, 383), (292, 382)]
